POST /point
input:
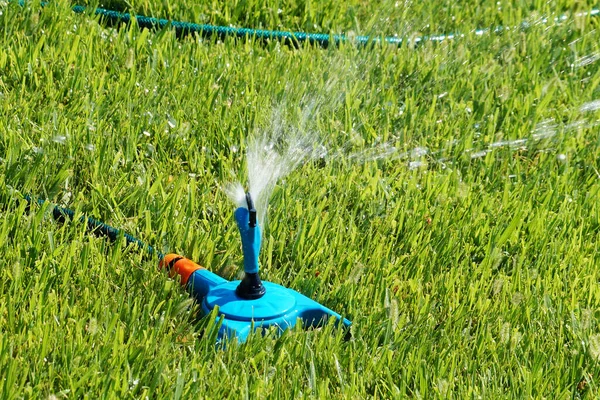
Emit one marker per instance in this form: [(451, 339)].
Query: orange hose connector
[(178, 265)]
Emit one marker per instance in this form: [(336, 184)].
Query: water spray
[(242, 306)]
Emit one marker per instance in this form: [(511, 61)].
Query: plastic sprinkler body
[(250, 304), (250, 287)]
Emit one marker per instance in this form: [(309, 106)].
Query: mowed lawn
[(454, 218)]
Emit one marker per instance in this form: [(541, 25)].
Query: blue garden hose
[(207, 30), (97, 227), (293, 38), (187, 28)]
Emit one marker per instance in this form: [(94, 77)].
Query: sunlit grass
[(464, 276)]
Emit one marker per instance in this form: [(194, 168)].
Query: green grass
[(465, 278)]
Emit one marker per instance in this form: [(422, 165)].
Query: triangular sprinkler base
[(280, 307)]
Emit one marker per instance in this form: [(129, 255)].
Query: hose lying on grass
[(97, 227), (290, 38)]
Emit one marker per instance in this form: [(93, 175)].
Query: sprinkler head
[(251, 210), (251, 287)]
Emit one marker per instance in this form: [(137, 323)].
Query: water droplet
[(590, 106), (60, 139), (586, 60), (419, 151), (479, 154), (416, 164)]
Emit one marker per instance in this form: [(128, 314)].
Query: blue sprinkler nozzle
[(251, 287)]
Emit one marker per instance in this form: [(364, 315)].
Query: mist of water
[(291, 137), (273, 153)]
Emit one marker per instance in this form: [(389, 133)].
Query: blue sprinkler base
[(280, 308)]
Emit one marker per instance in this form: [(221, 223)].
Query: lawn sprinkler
[(249, 304), (242, 306)]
